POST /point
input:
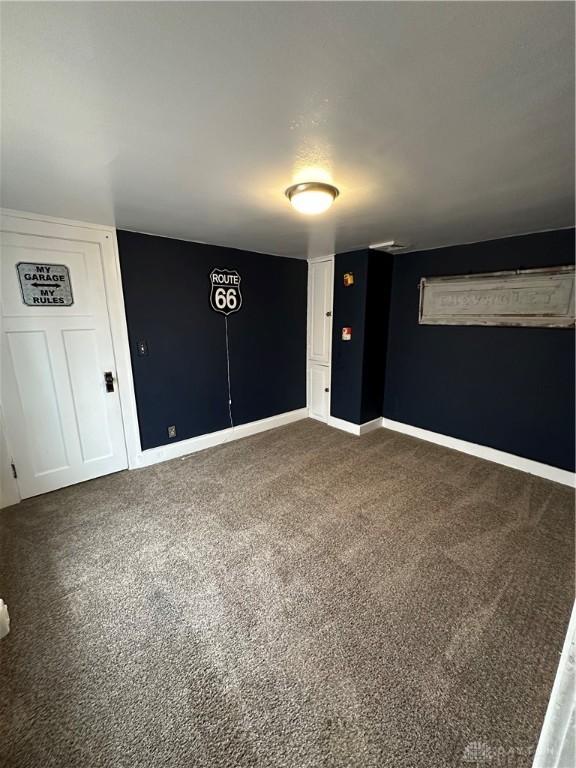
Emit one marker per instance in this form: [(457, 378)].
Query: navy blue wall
[(349, 309), (183, 380), (358, 365), (507, 388), (376, 333)]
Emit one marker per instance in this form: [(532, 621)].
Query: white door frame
[(310, 362), (9, 488), (21, 222), (556, 744)]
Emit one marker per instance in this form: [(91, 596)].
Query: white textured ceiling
[(440, 122)]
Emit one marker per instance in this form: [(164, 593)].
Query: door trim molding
[(555, 746), (9, 488), (212, 439), (484, 452), (26, 223)]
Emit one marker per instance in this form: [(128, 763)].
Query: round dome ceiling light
[(312, 197)]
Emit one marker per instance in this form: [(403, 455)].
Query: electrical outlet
[(172, 431)]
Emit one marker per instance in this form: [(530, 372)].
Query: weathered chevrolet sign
[(45, 284), (525, 297)]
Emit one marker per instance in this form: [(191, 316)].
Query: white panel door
[(320, 308), (319, 392), (64, 426)]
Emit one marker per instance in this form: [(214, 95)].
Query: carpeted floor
[(299, 598)]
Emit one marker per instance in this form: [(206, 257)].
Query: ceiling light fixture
[(312, 197)]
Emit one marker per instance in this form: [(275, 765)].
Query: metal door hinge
[(14, 473)]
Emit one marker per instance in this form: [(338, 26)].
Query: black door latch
[(109, 379)]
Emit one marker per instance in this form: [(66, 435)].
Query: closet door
[(319, 389), (320, 296), (321, 289)]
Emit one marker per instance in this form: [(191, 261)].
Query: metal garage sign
[(524, 297), (225, 295), (45, 284)]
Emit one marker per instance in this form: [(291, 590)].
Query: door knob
[(328, 314), (109, 379), (326, 389)]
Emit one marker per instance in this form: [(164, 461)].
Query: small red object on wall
[(346, 334)]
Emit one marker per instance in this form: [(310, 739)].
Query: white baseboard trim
[(345, 426), (483, 452), (200, 443), (354, 429), (370, 426)]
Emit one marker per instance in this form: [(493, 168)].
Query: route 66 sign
[(225, 296)]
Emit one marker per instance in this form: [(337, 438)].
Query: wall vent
[(389, 246)]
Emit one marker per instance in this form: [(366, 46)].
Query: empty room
[(287, 393)]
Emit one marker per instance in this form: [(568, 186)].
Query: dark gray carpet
[(300, 598)]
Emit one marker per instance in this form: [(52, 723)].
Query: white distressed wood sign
[(523, 297)]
